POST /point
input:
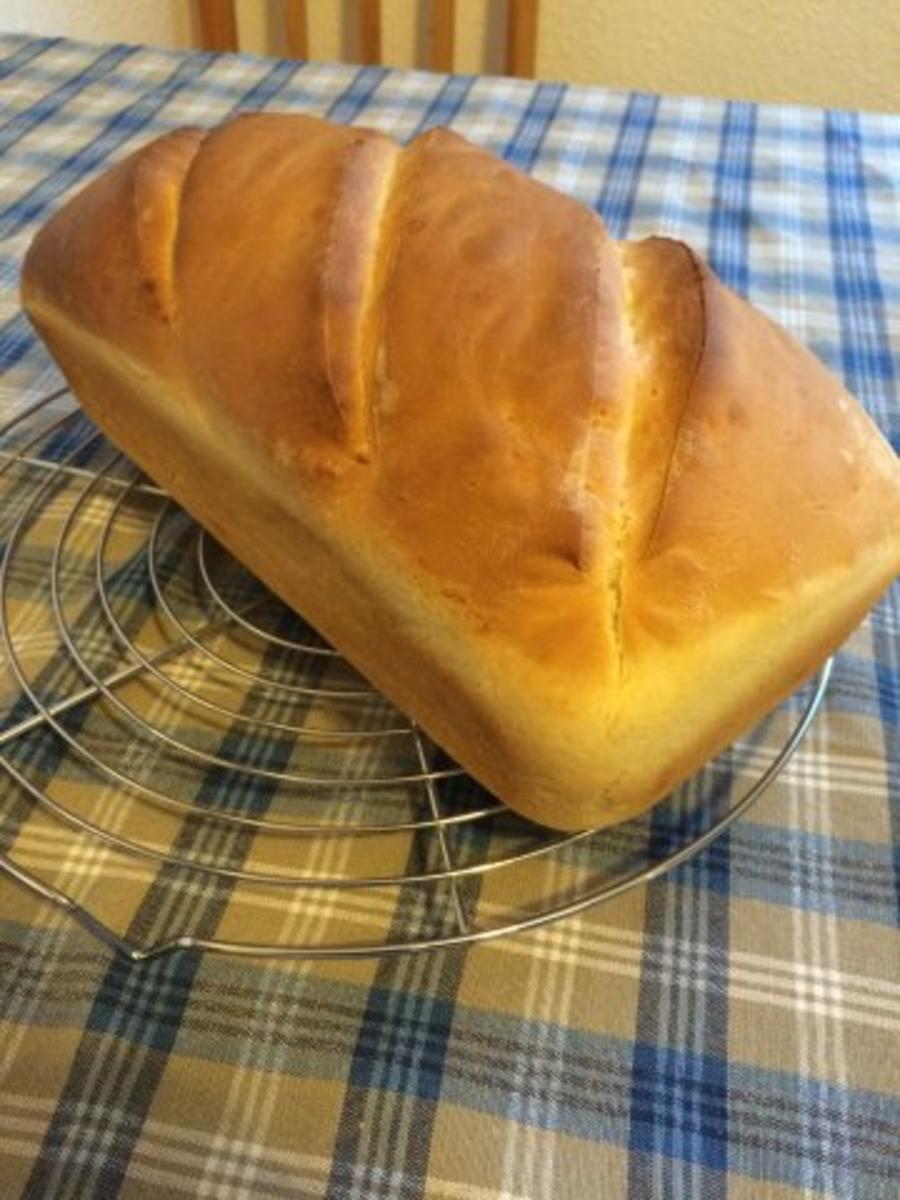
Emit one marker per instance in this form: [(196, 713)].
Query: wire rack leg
[(434, 804), (22, 876)]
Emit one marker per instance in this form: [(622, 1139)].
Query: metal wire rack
[(186, 765)]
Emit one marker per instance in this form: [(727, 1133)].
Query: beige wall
[(836, 52)]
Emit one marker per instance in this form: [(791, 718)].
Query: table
[(730, 1030)]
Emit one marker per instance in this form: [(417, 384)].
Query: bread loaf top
[(625, 498)]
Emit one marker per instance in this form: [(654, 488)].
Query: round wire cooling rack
[(186, 765)]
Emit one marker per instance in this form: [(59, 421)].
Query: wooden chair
[(218, 31)]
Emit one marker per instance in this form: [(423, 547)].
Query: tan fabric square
[(760, 928), (249, 1106), (40, 1066), (476, 1156), (34, 1065), (582, 972), (813, 993)]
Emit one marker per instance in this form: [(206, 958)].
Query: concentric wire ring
[(241, 618), (230, 615), (50, 476)]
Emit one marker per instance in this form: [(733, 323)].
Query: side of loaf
[(576, 508)]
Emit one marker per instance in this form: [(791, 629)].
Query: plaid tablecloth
[(730, 1030)]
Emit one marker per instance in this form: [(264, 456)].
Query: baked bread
[(570, 503)]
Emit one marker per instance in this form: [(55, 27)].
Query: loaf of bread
[(574, 506)]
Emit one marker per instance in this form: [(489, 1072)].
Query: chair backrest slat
[(442, 35), (369, 24), (218, 31), (218, 25), (295, 28), (521, 37)]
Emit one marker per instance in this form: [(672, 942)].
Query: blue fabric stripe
[(33, 204), (357, 95), (414, 1067), (854, 688), (670, 1097), (674, 200), (447, 103), (697, 916), (16, 339), (865, 341), (768, 217), (686, 1107), (384, 1058), (731, 203), (400, 1051), (160, 990), (681, 1111), (661, 163), (65, 440), (141, 1007), (25, 56), (687, 1124), (17, 336), (525, 145), (268, 86), (787, 868), (626, 164), (49, 105)]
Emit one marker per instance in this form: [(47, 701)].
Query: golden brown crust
[(572, 504), (352, 278), (108, 257), (776, 477), (496, 436)]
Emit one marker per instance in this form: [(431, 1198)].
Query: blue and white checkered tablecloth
[(732, 1030)]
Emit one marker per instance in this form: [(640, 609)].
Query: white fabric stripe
[(661, 896), (522, 1145), (791, 1000), (753, 977), (249, 1105), (112, 814), (313, 1172), (592, 938), (414, 979), (557, 993), (298, 1168), (693, 1032), (826, 952), (159, 1136), (797, 1007), (81, 863)]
